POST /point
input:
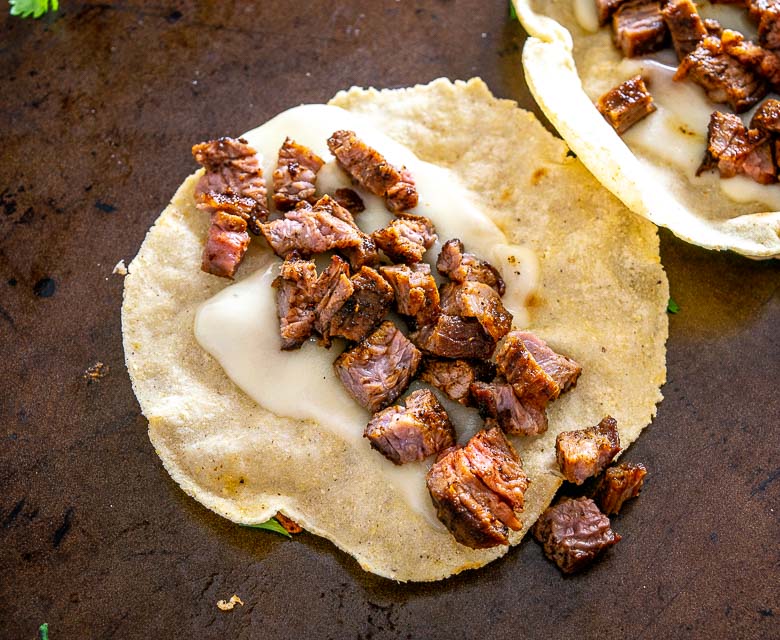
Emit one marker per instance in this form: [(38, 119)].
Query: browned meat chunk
[(760, 164), (378, 370), (295, 290), (415, 291), (723, 78), (563, 370), (473, 299), (586, 452), (713, 27), (370, 169), (626, 104), (573, 532), (454, 337), (733, 149), (764, 61), (498, 400), (478, 488), (350, 200), (406, 238), (233, 181), (639, 28), (365, 253), (459, 266), (606, 8), (620, 483), (767, 14), (767, 117), (685, 25), (226, 244), (332, 291), (295, 175), (453, 377), (414, 433)]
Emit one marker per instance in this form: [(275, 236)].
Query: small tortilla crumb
[(95, 372), (120, 269), (227, 605), (290, 526)]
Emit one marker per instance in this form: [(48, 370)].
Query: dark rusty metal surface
[(99, 105)]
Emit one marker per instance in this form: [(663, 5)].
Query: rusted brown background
[(99, 105)]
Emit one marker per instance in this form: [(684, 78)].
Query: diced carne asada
[(639, 28), (760, 164), (685, 26), (406, 238), (619, 483), (226, 244), (295, 175), (332, 291), (713, 27), (454, 337), (767, 117), (478, 488), (415, 290), (473, 299), (295, 290), (378, 369), (350, 200), (459, 266), (233, 181), (586, 452), (723, 78), (562, 369), (573, 532), (370, 169), (365, 253), (498, 400), (413, 433), (764, 61), (767, 14), (733, 149), (606, 8), (453, 377), (626, 104)]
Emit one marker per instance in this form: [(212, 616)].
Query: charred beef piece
[(415, 290), (573, 532), (473, 299), (723, 78), (764, 61), (586, 452), (332, 290), (226, 244), (497, 400), (766, 14), (350, 200), (767, 117), (365, 253), (459, 266), (295, 300), (454, 337), (406, 238), (639, 28), (685, 26), (370, 170), (378, 369), (233, 181), (453, 377), (606, 8), (760, 164), (478, 488), (413, 433), (619, 483), (626, 104), (563, 370), (713, 27), (295, 175)]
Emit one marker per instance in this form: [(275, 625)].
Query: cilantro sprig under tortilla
[(34, 8)]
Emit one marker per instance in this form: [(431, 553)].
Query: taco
[(599, 295)]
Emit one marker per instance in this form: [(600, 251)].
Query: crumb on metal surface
[(120, 269), (95, 372), (227, 605)]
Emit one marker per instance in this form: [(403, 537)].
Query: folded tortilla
[(559, 58), (601, 300)]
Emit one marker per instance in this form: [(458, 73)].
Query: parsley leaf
[(34, 8), (512, 12), (43, 631), (270, 525), (672, 306)]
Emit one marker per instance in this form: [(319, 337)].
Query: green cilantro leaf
[(512, 12), (43, 631), (270, 525), (672, 306), (34, 8)]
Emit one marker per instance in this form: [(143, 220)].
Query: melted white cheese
[(240, 329)]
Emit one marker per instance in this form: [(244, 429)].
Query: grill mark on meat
[(295, 175), (454, 377), (685, 26), (226, 244), (370, 169), (473, 299), (454, 337), (379, 369), (295, 300), (412, 433), (498, 400), (406, 238), (767, 117), (620, 483), (626, 104), (350, 200), (416, 294), (764, 61), (639, 28), (460, 266), (586, 452)]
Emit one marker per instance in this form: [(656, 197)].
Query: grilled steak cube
[(573, 532), (472, 299), (497, 400), (606, 8), (406, 238), (619, 483), (453, 377), (733, 149), (763, 61), (365, 252), (767, 117), (295, 175), (370, 170), (415, 290), (413, 433), (723, 78), (226, 244), (760, 164), (713, 27), (295, 300), (586, 452), (378, 369), (685, 26), (626, 104), (766, 14), (476, 490), (454, 337), (332, 290), (350, 200), (563, 370), (459, 266), (639, 28)]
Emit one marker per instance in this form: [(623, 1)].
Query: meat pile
[(731, 69)]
